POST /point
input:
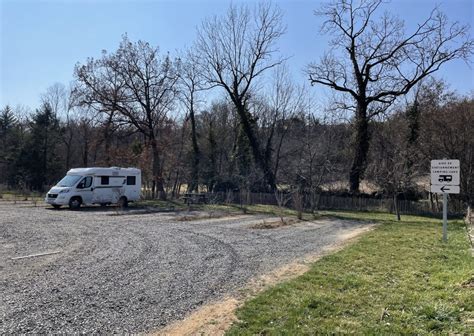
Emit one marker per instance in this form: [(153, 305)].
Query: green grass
[(402, 268)]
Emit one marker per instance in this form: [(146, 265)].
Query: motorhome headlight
[(64, 191)]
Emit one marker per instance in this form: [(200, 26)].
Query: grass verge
[(398, 279)]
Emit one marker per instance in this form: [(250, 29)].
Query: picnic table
[(195, 198)]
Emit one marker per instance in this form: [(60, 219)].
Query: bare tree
[(235, 50), (57, 96), (88, 130), (61, 101), (388, 165), (141, 86), (374, 62), (219, 130), (100, 88), (285, 101), (192, 83), (448, 120)]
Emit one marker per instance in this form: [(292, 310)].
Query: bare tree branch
[(375, 62), (235, 50)]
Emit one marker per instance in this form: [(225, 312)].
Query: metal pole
[(445, 217)]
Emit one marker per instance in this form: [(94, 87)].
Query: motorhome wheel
[(75, 203), (123, 202)]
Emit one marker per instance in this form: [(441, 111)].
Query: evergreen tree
[(39, 164), (7, 122), (10, 141)]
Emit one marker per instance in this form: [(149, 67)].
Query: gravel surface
[(133, 273)]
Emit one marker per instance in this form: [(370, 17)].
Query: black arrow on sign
[(443, 188)]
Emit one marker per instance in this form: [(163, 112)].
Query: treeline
[(308, 153), (225, 115)]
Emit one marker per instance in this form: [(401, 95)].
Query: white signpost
[(445, 180)]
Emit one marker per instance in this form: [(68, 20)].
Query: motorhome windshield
[(69, 181)]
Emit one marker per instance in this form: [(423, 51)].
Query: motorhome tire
[(123, 202), (75, 203)]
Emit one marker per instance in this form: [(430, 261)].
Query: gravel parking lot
[(133, 273)]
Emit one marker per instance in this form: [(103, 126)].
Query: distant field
[(398, 279)]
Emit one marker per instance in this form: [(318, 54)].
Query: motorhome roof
[(103, 171)]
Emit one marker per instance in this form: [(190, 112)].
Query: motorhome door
[(85, 189)]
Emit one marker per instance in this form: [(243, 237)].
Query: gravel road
[(133, 273)]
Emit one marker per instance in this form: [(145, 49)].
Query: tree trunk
[(158, 189), (68, 144), (43, 180), (107, 139), (68, 156), (68, 137), (361, 148), (212, 175), (395, 206), (85, 154), (107, 149), (431, 202), (176, 184), (278, 151), (194, 183), (243, 157), (258, 155), (85, 139)]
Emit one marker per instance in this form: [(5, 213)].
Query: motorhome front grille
[(52, 195)]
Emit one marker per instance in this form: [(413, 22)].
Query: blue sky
[(41, 41)]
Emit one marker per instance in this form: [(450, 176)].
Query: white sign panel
[(445, 176), (445, 172), (439, 189)]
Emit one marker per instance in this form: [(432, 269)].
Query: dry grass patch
[(207, 215), (274, 223)]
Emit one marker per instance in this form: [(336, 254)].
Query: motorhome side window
[(131, 180), (85, 183), (104, 180)]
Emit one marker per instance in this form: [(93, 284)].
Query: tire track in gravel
[(228, 250)]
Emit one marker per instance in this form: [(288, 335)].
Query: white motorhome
[(85, 186)]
